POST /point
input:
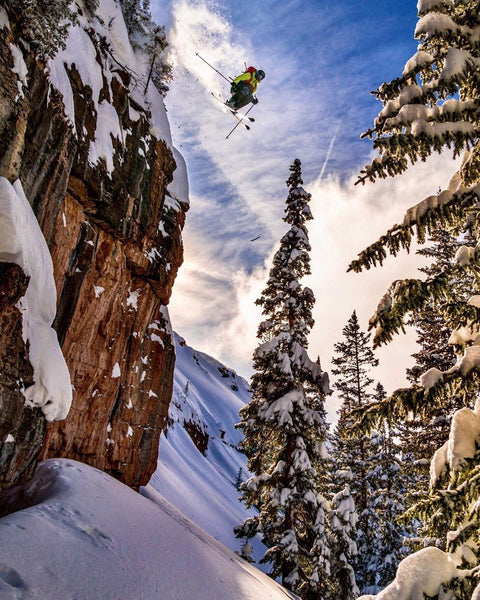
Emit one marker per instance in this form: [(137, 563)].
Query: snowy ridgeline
[(206, 399), (85, 535), (22, 243), (108, 27)]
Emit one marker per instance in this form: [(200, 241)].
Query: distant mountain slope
[(87, 536), (197, 470)]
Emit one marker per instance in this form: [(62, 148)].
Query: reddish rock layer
[(114, 268)]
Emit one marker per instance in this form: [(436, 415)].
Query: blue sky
[(321, 60)]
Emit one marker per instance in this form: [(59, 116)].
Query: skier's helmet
[(259, 75)]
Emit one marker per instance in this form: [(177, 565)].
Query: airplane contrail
[(329, 151)]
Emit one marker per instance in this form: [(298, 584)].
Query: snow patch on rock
[(22, 242)]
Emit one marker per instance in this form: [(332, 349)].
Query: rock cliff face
[(114, 232), (19, 451)]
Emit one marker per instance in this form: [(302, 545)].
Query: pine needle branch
[(428, 215)]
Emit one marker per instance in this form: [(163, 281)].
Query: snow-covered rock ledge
[(22, 243), (85, 535)]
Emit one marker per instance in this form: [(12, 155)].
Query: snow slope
[(202, 486), (84, 535)]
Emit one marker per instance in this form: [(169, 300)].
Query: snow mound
[(85, 535), (207, 397), (22, 242), (421, 573)]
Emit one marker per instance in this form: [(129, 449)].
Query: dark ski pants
[(241, 97)]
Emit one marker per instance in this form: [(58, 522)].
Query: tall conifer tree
[(424, 433), (284, 422), (353, 362), (388, 486), (343, 519), (435, 104)]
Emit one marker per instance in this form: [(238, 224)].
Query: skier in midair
[(244, 87)]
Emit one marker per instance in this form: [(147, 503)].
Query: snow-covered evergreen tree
[(433, 105), (425, 432), (283, 424), (343, 519), (353, 362), (151, 38), (318, 584), (387, 484), (45, 23)]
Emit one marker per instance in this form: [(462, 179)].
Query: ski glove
[(255, 101)]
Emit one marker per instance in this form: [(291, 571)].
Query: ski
[(232, 130), (238, 116), (240, 122)]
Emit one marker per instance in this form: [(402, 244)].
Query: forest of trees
[(327, 502), (387, 504)]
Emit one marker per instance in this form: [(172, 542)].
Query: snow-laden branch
[(421, 573)]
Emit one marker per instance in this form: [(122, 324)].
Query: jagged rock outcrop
[(114, 233), (27, 423)]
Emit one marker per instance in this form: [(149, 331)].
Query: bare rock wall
[(116, 248)]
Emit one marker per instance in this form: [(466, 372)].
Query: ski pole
[(240, 122), (212, 67)]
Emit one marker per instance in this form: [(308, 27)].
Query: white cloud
[(213, 304), (348, 218), (239, 193), (250, 165)]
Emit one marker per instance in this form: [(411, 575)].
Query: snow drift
[(85, 535), (208, 396)]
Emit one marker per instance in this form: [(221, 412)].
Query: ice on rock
[(109, 25), (22, 242), (20, 68)]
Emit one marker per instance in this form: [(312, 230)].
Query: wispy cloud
[(250, 165), (308, 109), (347, 219)]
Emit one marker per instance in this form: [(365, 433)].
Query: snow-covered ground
[(203, 486), (86, 536), (79, 533)]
